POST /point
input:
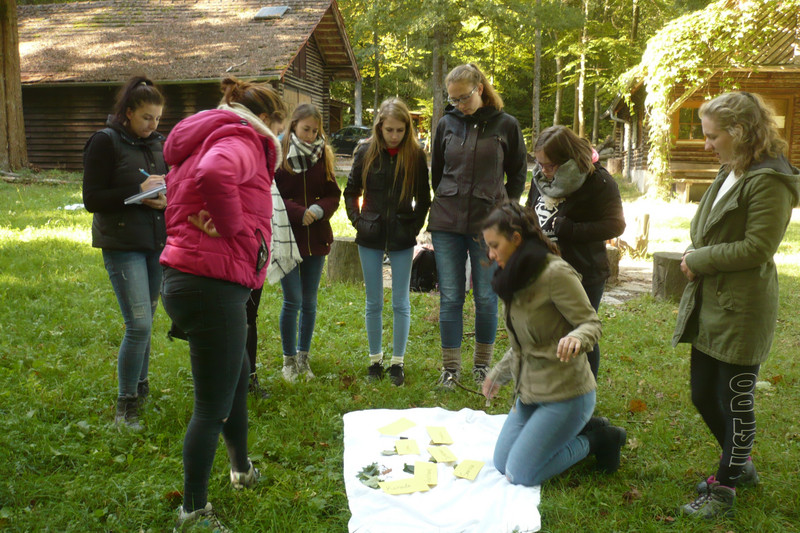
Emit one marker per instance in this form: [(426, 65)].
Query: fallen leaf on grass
[(637, 406), (667, 519), (174, 498), (632, 495), (775, 379), (633, 443)]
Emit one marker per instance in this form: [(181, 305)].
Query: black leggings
[(723, 395), (252, 328), (212, 313)]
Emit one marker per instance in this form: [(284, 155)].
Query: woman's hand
[(203, 221), (160, 202), (685, 268), (152, 181), (490, 388), (309, 217), (568, 348)]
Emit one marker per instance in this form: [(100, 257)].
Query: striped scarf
[(303, 155)]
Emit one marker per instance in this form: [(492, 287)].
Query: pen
[(143, 171)]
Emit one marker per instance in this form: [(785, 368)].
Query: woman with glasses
[(478, 160), (579, 208)]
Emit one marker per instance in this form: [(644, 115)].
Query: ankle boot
[(303, 367), (128, 412), (605, 442)]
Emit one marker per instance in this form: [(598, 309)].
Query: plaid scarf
[(302, 155)]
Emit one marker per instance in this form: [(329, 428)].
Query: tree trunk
[(581, 86), (344, 264), (13, 150), (438, 81), (359, 104), (537, 77), (559, 92), (376, 100), (596, 115), (635, 22)]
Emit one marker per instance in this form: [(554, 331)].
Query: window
[(689, 127)]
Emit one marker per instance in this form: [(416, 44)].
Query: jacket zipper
[(392, 160), (308, 227)]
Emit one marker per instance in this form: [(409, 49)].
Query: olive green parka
[(729, 311)]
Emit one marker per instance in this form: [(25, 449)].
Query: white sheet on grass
[(487, 505)]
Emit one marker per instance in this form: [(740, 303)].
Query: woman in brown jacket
[(550, 323)]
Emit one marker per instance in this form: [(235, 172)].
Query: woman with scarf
[(307, 184), (551, 323), (579, 208), (387, 198), (218, 233)]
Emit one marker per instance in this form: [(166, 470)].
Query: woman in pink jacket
[(218, 230)]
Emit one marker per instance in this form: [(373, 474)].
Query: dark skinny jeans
[(212, 313)]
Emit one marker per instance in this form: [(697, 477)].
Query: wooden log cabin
[(74, 57), (775, 77)]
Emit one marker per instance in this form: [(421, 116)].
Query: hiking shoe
[(128, 412), (749, 478), (716, 501), (256, 389), (203, 519), (606, 442), (479, 373), (143, 391), (289, 368), (302, 365), (375, 372), (245, 480), (447, 380), (594, 423), (396, 375)]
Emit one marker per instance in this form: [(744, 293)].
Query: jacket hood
[(780, 168), (201, 128), (481, 114)]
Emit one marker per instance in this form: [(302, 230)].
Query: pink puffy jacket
[(223, 165)]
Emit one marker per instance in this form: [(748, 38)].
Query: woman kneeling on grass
[(550, 323)]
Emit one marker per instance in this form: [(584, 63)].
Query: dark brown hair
[(510, 217), (560, 144), (257, 97), (471, 74), (136, 92)]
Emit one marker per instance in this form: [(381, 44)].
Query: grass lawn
[(64, 467)]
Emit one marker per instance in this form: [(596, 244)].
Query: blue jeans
[(451, 251), (136, 278), (300, 287), (372, 267), (595, 294), (539, 441), (212, 314)]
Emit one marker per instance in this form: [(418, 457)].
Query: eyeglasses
[(457, 101), (549, 167)]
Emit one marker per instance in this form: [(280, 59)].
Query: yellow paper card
[(468, 469), (439, 435), (442, 454), (426, 472), (404, 486), (406, 447), (395, 428)]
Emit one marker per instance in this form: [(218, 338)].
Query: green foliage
[(688, 51)]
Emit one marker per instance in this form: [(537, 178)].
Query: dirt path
[(635, 279)]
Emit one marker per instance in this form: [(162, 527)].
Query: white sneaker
[(290, 368), (204, 518), (245, 480)]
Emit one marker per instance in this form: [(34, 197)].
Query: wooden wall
[(59, 119), (315, 83)]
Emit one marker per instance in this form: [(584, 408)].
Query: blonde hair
[(751, 123), (302, 112), (409, 149), (560, 144), (470, 73), (257, 97)]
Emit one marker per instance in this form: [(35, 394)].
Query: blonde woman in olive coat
[(729, 308)]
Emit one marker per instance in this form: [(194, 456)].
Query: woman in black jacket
[(120, 161), (390, 176), (476, 148), (579, 208)]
